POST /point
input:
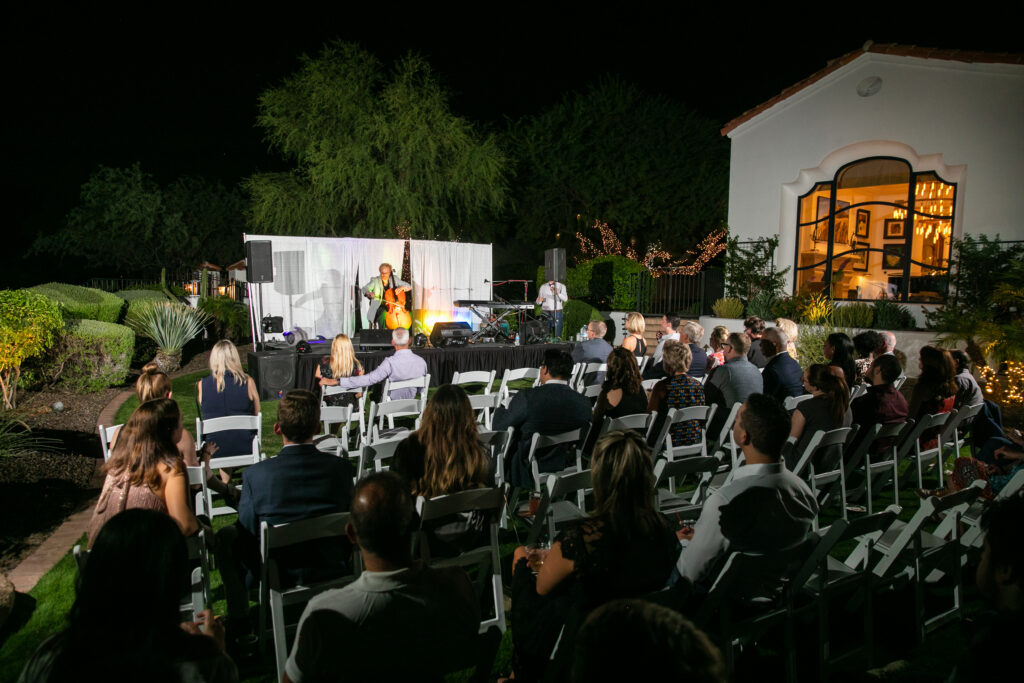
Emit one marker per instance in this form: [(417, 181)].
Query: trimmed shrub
[(230, 319), (83, 302), (29, 322), (810, 344), (577, 314), (607, 281), (892, 316), (854, 315), (134, 297), (88, 356), (729, 307)]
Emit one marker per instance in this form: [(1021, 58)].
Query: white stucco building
[(868, 168)]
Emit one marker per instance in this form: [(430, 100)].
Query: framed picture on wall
[(859, 259), (894, 228), (863, 224), (842, 222), (892, 258)]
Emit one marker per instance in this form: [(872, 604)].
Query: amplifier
[(273, 371), (373, 340), (450, 334)]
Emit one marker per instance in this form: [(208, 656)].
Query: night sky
[(177, 90)]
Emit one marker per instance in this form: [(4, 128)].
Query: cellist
[(375, 290)]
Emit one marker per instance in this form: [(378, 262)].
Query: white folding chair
[(919, 454), (973, 536), (208, 429), (406, 407), (420, 384), (858, 390), (358, 411), (484, 405), (899, 382), (106, 436), (791, 402), (951, 438), (591, 391), (875, 465), (554, 509), (482, 377), (663, 444), (666, 471), (822, 476), (642, 363), (589, 370), (279, 599), (648, 384), (482, 563), (498, 445), (517, 375), (542, 442), (328, 441), (638, 422), (376, 456), (574, 376)]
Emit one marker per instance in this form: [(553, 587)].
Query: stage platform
[(441, 363)]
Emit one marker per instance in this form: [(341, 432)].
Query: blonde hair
[(635, 323), (224, 359), (792, 332), (718, 337), (152, 383), (343, 357)]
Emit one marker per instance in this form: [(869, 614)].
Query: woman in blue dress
[(228, 391)]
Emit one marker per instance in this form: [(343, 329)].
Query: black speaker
[(369, 340), (533, 332), (554, 264), (450, 334), (273, 372), (259, 261)]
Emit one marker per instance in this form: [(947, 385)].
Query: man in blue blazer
[(551, 408), (299, 483), (782, 374)]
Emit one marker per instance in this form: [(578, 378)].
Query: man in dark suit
[(782, 374), (594, 350), (300, 483), (551, 408)]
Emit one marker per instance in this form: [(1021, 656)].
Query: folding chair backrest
[(516, 374), (498, 445), (665, 470), (951, 431), (482, 377), (858, 391), (421, 384), (484, 404), (899, 382), (591, 391), (791, 401), (335, 391), (207, 430), (330, 416), (820, 441), (541, 442), (106, 436), (724, 438), (648, 384), (924, 424), (663, 445), (374, 456), (405, 407), (587, 371), (638, 422)]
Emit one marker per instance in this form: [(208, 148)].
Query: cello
[(397, 314)]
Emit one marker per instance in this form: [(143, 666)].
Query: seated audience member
[(341, 363), (754, 328), (399, 621), (669, 332), (690, 333), (828, 409), (594, 350), (881, 403), (761, 429), (146, 470), (551, 408), (132, 584), (839, 352), (634, 341), (968, 392), (299, 483), (445, 455), (678, 390), (1000, 579), (659, 640), (866, 345), (400, 366), (935, 391), (732, 383), (227, 391), (792, 332), (999, 460), (782, 375), (716, 341), (621, 394), (889, 343), (624, 549)]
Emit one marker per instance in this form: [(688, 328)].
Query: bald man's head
[(382, 515)]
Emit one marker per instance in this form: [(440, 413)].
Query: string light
[(656, 259), (1005, 388)]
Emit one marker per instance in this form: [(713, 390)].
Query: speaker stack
[(273, 371), (450, 334), (374, 340)]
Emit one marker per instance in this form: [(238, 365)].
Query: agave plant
[(171, 326)]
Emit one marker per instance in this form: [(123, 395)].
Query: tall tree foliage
[(373, 149), (651, 168), (126, 224)]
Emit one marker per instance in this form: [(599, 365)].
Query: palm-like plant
[(171, 326)]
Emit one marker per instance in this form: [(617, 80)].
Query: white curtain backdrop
[(317, 279)]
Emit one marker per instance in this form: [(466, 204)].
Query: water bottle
[(582, 336), (517, 339)]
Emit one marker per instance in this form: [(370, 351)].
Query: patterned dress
[(681, 392)]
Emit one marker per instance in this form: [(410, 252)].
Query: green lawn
[(42, 612)]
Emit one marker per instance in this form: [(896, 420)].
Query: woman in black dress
[(839, 351), (634, 341), (341, 363), (828, 409)]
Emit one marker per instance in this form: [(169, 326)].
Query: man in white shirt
[(552, 297), (669, 331), (760, 430)]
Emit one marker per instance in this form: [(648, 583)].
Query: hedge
[(89, 356), (606, 281), (133, 296), (577, 314), (83, 302)]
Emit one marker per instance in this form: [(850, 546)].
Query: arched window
[(877, 230)]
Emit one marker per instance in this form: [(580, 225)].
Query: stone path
[(32, 568)]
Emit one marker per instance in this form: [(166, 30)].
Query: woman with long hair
[(145, 469), (131, 585), (622, 392), (341, 363), (827, 409), (226, 391), (634, 341), (866, 345), (839, 351), (445, 454), (935, 391), (624, 549)]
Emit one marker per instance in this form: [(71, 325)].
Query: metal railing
[(690, 295)]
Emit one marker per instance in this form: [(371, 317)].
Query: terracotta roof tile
[(968, 56)]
